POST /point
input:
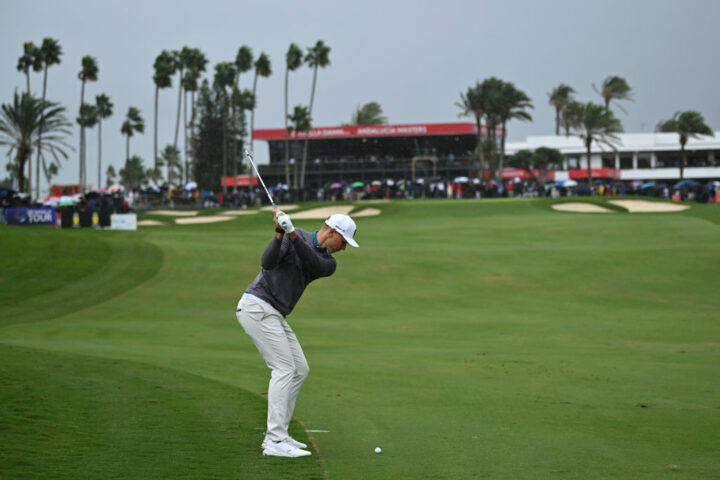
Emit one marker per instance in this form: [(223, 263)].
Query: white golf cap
[(345, 226)]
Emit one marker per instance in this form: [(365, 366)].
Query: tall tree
[(134, 173), (20, 123), (224, 78), (110, 176), (262, 69), (207, 139), (614, 88), (293, 61), (301, 122), (243, 63), (87, 118), (538, 163), (49, 54), (171, 158), (164, 69), (560, 98), (133, 123), (104, 109), (513, 104), (196, 67), (30, 59), (493, 91), (88, 73), (688, 124), (369, 114), (318, 56), (182, 60), (473, 103), (569, 116), (596, 123)]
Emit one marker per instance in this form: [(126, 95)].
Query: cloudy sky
[(413, 57)]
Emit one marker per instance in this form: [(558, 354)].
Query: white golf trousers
[(280, 349)]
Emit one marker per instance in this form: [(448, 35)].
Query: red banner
[(360, 131), (239, 181), (581, 173)]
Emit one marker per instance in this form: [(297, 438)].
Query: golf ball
[(378, 450)]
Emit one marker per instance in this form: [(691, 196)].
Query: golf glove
[(285, 223)]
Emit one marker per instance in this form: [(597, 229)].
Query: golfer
[(292, 260)]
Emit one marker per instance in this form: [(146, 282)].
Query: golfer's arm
[(318, 265), (272, 254)]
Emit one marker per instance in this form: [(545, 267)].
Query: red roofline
[(361, 131)]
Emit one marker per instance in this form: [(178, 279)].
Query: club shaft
[(250, 157)]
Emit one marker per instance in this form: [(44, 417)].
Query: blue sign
[(31, 216)]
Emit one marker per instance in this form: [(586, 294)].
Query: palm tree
[(596, 124), (513, 105), (87, 118), (30, 59), (134, 174), (560, 98), (263, 68), (20, 124), (493, 91), (614, 88), (686, 124), (473, 103), (224, 78), (104, 109), (110, 176), (171, 158), (49, 54), (301, 122), (181, 60), (164, 69), (293, 61), (243, 63), (133, 123), (197, 65), (569, 116), (318, 56), (88, 73), (538, 163), (369, 114)]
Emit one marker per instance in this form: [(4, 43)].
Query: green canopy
[(358, 185)]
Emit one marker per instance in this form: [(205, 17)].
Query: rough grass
[(468, 339)]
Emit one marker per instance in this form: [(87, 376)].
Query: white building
[(639, 156)]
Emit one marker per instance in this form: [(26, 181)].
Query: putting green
[(467, 339)]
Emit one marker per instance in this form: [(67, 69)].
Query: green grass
[(468, 339)]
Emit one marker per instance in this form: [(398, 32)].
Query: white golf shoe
[(289, 440), (283, 449)]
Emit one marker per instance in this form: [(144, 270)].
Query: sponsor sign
[(361, 131), (31, 216), (123, 221)]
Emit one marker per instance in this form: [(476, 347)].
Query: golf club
[(250, 157)]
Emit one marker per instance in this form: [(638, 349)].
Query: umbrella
[(461, 180), (336, 185), (566, 183), (648, 185), (476, 181), (390, 182), (358, 184), (687, 184), (116, 188), (636, 183), (377, 183), (420, 180), (191, 186), (66, 201)]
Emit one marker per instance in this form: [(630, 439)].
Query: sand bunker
[(149, 223), (205, 219), (239, 212), (645, 206), (367, 212), (580, 207), (322, 212), (284, 208), (173, 213)]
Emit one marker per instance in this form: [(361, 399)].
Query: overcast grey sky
[(413, 57)]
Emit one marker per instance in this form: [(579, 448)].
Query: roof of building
[(361, 131), (628, 142)]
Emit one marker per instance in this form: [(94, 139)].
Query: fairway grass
[(467, 339)]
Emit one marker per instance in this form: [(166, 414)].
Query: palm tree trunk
[(27, 78), (252, 134), (234, 147), (127, 152), (155, 156), (682, 161), (82, 134), (192, 132), (20, 159), (588, 145), (287, 141), (224, 140), (177, 120), (305, 146), (557, 121), (37, 161), (185, 136), (99, 184), (501, 160)]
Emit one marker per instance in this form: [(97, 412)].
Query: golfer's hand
[(284, 222)]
